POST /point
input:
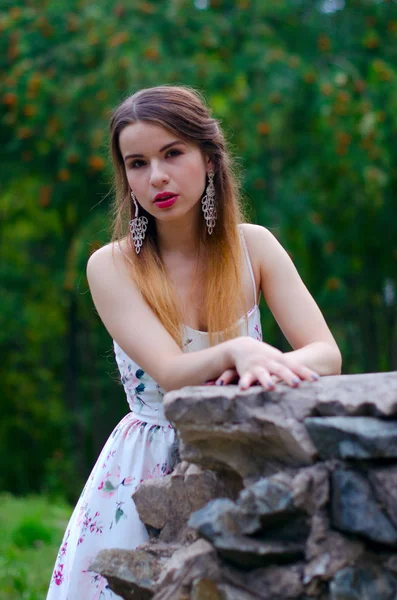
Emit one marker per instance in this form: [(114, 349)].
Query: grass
[(31, 532)]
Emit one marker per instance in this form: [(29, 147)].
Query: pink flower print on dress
[(134, 384), (158, 471), (258, 333), (83, 508), (58, 575), (111, 454), (63, 549), (110, 483), (131, 428), (89, 524), (109, 488), (93, 586), (128, 480)]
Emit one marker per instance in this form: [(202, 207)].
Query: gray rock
[(266, 508), (276, 539), (271, 501), (363, 583), (187, 489), (328, 551), (173, 454), (249, 553), (270, 498), (266, 583), (384, 483), (391, 563), (188, 565), (276, 582), (311, 488), (256, 433), (130, 574), (354, 509), (225, 524), (219, 428), (353, 437), (205, 589), (367, 394), (230, 592), (219, 517)]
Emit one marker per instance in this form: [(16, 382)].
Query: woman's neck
[(179, 237)]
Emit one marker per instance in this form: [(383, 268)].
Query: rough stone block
[(355, 510), (384, 484), (298, 530), (250, 553), (187, 489), (355, 438), (363, 583), (131, 574)]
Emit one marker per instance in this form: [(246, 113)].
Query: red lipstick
[(165, 199)]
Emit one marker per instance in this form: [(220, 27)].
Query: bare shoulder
[(262, 244), (256, 233), (108, 260)]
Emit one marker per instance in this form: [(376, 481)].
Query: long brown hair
[(182, 111)]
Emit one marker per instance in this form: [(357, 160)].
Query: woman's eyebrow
[(161, 149)]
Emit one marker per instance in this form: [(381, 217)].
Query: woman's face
[(166, 174)]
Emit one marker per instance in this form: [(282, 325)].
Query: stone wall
[(280, 495)]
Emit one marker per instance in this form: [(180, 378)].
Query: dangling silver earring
[(208, 203), (138, 227)]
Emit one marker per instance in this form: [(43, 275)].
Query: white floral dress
[(138, 449)]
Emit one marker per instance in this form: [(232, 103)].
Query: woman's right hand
[(259, 362)]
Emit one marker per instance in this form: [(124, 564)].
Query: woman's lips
[(166, 202)]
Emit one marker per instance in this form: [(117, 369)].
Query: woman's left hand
[(231, 376)]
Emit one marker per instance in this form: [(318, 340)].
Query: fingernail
[(220, 382), (270, 384), (295, 380), (315, 377)]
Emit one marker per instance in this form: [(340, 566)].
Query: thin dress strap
[(247, 256)]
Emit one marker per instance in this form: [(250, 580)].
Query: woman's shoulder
[(257, 238), (266, 253), (109, 258), (114, 248)]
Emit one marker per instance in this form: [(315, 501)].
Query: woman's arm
[(133, 325), (293, 307), (137, 330)]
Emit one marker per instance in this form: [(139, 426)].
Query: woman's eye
[(173, 152), (136, 164)]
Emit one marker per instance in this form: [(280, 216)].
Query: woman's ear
[(210, 165)]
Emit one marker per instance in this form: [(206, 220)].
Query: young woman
[(178, 290)]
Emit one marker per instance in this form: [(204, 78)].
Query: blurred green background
[(307, 94)]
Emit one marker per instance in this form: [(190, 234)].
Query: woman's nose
[(158, 175)]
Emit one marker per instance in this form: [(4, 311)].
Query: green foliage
[(308, 99), (32, 530), (30, 533)]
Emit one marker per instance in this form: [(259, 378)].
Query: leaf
[(119, 514), (109, 487)]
